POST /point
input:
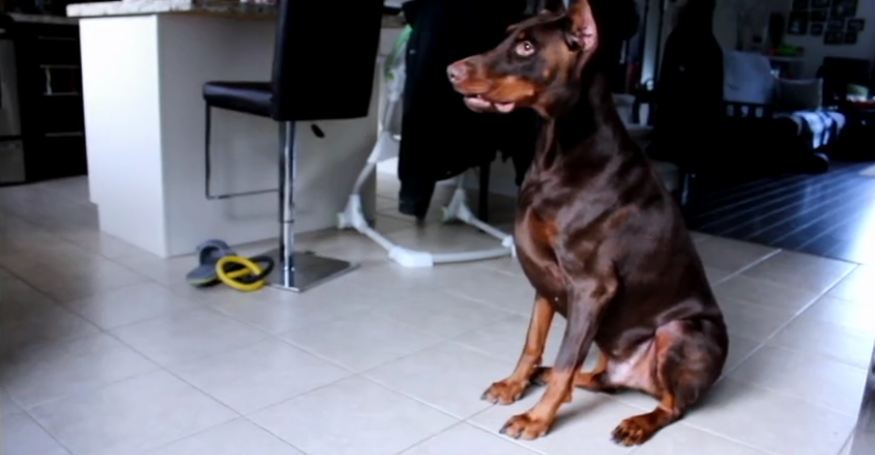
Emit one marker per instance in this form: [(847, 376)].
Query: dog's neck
[(587, 124)]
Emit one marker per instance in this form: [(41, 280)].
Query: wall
[(744, 17), (726, 24), (816, 50), (727, 28)]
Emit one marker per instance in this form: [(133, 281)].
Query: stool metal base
[(309, 270)]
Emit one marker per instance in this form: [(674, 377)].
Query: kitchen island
[(143, 67)]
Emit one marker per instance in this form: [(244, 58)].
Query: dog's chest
[(536, 241)]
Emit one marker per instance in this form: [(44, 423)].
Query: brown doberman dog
[(600, 239)]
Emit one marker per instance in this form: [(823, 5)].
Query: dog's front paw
[(526, 426), (505, 392)]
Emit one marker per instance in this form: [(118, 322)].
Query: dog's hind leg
[(689, 356), (511, 389), (594, 381)]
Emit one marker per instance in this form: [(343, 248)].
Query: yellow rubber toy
[(230, 278)]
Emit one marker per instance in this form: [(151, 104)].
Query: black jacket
[(689, 105), (440, 137)]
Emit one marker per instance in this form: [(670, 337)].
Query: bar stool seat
[(251, 97)]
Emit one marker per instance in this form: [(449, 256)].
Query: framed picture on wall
[(798, 23), (819, 15), (835, 25), (817, 28), (851, 38), (834, 38), (856, 25), (844, 9), (821, 3)]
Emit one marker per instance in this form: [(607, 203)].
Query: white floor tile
[(361, 342), (279, 311), (7, 406), (846, 450), (442, 314), (756, 322), (165, 271), (680, 438), (186, 336), (449, 377), (353, 417), (582, 426), (857, 315), (716, 276), (467, 439), (828, 339), (769, 294), (131, 416), (239, 437), (731, 255), (505, 338), (101, 243), (808, 272), (509, 266), (809, 377), (770, 421), (261, 375), (29, 318), (432, 339), (509, 293), (60, 369), (859, 285), (88, 276), (129, 305), (699, 237), (445, 238), (20, 435), (740, 348)]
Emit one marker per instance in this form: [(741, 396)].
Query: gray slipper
[(209, 254)]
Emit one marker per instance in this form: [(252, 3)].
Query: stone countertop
[(209, 7), (138, 7), (42, 19)]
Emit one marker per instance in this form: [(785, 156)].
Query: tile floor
[(105, 350)]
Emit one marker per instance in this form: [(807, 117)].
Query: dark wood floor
[(831, 214)]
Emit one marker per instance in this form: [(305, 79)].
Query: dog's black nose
[(458, 71)]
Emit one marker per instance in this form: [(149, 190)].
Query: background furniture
[(787, 119), (143, 75), (41, 120), (303, 87), (838, 73)]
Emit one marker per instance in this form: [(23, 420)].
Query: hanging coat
[(440, 137)]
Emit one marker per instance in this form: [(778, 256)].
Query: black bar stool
[(323, 68)]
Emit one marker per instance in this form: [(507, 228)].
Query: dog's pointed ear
[(584, 31)]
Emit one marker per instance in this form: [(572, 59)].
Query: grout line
[(23, 410), (359, 376), (781, 328), (429, 438), (268, 431), (751, 265), (729, 438), (249, 414), (167, 370), (849, 442)]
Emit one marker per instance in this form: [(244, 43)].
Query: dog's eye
[(524, 49)]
